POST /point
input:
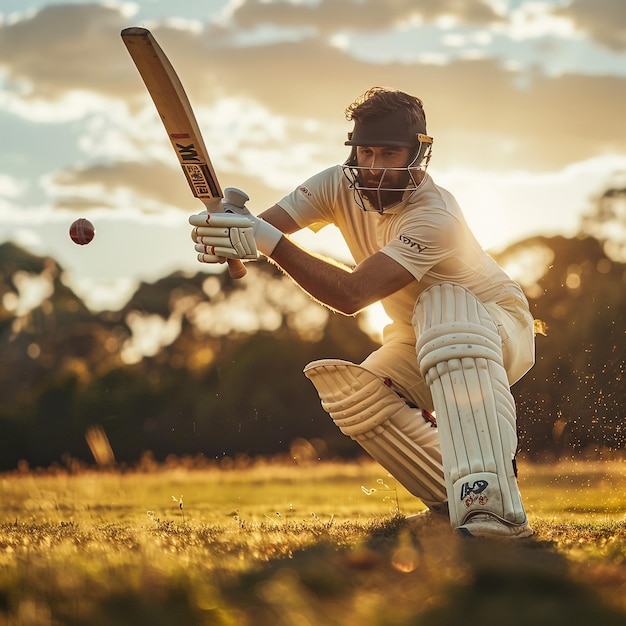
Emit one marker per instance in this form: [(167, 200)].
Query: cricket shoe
[(490, 525), (429, 517)]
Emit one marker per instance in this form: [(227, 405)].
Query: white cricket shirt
[(426, 234)]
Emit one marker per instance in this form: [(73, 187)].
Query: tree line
[(216, 388)]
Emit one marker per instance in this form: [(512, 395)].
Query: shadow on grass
[(397, 574), (423, 575), (518, 584)]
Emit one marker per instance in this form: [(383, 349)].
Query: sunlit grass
[(256, 492), (581, 491), (269, 543)]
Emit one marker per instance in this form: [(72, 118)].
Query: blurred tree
[(606, 219), (205, 365), (574, 398)]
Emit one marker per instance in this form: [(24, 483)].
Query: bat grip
[(238, 198), (236, 268)]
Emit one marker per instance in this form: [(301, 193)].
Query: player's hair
[(378, 101)]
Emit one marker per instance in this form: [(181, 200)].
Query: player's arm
[(339, 287), (347, 291), (279, 218)]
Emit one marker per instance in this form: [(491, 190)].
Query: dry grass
[(279, 544)]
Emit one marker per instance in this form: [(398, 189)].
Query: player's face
[(382, 157), (379, 171)]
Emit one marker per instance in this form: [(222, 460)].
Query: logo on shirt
[(414, 245), (306, 192)]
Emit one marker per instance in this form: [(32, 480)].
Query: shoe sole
[(464, 531)]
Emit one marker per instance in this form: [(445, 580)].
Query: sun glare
[(528, 265)]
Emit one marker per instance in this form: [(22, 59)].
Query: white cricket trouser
[(396, 359)]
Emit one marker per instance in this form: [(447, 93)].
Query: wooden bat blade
[(174, 109)]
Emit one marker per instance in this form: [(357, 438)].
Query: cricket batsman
[(433, 404)]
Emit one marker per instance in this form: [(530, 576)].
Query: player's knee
[(450, 324)]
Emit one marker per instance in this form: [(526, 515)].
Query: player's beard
[(386, 193)]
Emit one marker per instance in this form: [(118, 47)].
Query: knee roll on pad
[(397, 436), (460, 356)]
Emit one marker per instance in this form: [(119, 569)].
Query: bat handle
[(236, 268), (237, 198)]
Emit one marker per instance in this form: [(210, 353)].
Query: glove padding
[(265, 235), (233, 234), (223, 235)]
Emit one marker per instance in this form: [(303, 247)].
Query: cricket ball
[(82, 231)]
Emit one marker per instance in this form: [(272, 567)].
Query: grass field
[(295, 545)]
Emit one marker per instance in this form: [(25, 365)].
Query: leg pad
[(401, 438), (460, 356)]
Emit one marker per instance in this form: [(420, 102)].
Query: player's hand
[(234, 234), (223, 235), (266, 236)]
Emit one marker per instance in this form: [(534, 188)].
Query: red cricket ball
[(82, 231)]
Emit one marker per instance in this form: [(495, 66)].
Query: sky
[(525, 101)]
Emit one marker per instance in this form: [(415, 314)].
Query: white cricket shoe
[(427, 517), (490, 525)]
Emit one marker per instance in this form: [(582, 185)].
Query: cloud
[(505, 203), (603, 20), (10, 187), (481, 112), (329, 16), (63, 48), (272, 113), (134, 185), (477, 110)]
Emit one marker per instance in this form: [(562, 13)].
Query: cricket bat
[(180, 123)]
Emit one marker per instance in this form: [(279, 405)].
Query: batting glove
[(223, 235), (226, 235), (265, 235)]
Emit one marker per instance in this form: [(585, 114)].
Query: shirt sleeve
[(423, 242), (311, 203)]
